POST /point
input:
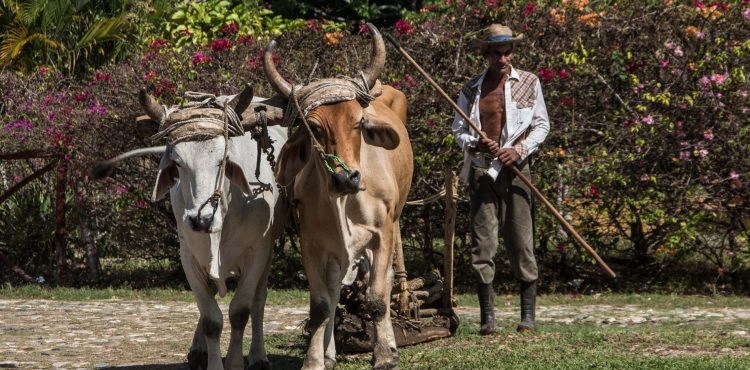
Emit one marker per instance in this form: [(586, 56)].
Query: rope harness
[(322, 92), (230, 125)]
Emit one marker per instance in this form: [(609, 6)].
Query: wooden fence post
[(451, 186), (61, 181)]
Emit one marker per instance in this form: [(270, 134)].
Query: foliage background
[(647, 156)]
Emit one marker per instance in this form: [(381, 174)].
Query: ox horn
[(377, 57), (279, 83), (242, 100), (152, 108)]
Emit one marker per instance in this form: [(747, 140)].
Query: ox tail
[(104, 168)]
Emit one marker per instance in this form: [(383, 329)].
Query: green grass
[(557, 346), (300, 297)]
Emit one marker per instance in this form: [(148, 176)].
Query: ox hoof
[(197, 359), (390, 365), (260, 365), (330, 364)]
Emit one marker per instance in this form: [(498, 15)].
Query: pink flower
[(678, 52), (253, 63), (718, 78), (734, 175), (628, 123), (84, 95), (547, 74), (230, 28), (684, 155), (42, 71), (19, 123), (140, 203), (51, 116), (101, 76), (396, 84), (200, 58), (567, 101), (162, 87), (649, 120), (96, 108), (149, 76), (746, 14), (410, 81), (403, 27), (708, 134), (593, 192), (528, 9), (705, 82), (664, 63), (490, 3), (563, 74), (245, 39), (220, 45), (313, 24), (730, 253), (363, 28), (158, 44), (703, 153)]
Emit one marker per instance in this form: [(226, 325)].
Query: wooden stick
[(515, 170)]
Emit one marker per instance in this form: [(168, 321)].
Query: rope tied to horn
[(199, 100)]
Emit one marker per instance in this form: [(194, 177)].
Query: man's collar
[(513, 75)]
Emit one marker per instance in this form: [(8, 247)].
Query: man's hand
[(508, 156), (489, 146)]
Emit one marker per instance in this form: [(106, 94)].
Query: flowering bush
[(647, 156)]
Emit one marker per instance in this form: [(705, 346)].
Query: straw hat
[(497, 34)]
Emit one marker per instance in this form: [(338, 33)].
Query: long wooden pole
[(515, 170)]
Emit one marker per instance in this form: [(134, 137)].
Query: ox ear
[(166, 178), (377, 131), (293, 157), (236, 175)]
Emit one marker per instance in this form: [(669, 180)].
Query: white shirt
[(524, 110)]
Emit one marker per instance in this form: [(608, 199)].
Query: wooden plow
[(421, 308)]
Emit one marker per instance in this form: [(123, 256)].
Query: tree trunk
[(92, 257)]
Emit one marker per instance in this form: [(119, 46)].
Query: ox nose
[(202, 224), (347, 182)]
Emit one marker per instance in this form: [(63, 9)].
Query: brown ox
[(349, 206)]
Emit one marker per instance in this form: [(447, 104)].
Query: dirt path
[(44, 334)]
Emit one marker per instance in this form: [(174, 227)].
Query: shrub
[(647, 155)]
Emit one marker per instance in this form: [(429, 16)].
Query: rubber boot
[(528, 307), (486, 308)]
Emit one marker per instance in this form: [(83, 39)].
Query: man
[(507, 104)]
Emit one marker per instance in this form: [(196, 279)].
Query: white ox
[(224, 237)]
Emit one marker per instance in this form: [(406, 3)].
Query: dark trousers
[(501, 206)]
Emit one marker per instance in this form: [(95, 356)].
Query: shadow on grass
[(278, 362)]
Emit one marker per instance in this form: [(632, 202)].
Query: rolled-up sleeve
[(461, 129)]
